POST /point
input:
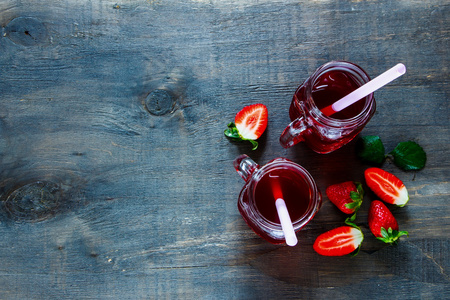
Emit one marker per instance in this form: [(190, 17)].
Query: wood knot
[(159, 102), (35, 201), (26, 31)]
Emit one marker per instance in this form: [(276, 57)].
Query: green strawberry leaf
[(359, 194), (391, 236), (371, 149), (359, 189), (233, 133), (409, 156), (384, 232), (357, 197), (354, 204)]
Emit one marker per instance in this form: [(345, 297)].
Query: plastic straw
[(283, 214), (286, 223), (366, 89)]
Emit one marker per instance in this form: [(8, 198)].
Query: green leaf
[(233, 133), (386, 233), (357, 197), (371, 149), (354, 204), (391, 236), (409, 156), (359, 189)]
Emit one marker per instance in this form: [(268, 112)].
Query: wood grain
[(121, 107)]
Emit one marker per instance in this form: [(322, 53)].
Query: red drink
[(333, 86), (328, 84), (286, 184), (328, 89), (279, 178)]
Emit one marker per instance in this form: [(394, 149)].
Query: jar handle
[(293, 133), (245, 166)]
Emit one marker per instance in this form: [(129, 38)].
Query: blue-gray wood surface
[(116, 180)]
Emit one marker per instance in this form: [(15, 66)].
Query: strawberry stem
[(254, 143), (350, 221), (354, 253)]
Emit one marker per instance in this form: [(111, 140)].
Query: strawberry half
[(387, 186), (347, 196), (383, 224), (249, 124), (339, 241)]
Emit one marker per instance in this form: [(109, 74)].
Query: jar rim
[(314, 203), (358, 74)]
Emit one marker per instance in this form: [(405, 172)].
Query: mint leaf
[(409, 156), (371, 149)]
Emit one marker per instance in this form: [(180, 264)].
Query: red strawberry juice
[(326, 85), (333, 86), (279, 178), (285, 184)]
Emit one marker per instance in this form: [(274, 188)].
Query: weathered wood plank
[(123, 105)]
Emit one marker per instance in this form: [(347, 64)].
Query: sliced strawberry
[(383, 224), (347, 196), (251, 121), (249, 124), (339, 241), (387, 186)]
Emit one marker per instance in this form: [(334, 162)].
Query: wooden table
[(117, 182)]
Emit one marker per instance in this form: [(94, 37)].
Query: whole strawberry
[(347, 196), (383, 224)]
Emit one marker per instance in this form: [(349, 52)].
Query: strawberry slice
[(387, 186), (347, 196), (339, 241), (249, 124), (383, 224)]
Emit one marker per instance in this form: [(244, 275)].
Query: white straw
[(370, 87), (286, 223)]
